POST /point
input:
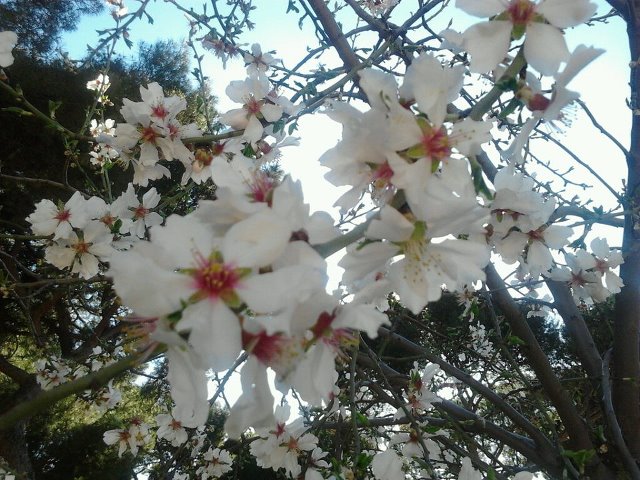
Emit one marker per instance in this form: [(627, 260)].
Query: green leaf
[(514, 340), (361, 419), (510, 108), (579, 457)]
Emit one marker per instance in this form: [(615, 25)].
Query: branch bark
[(626, 335), (579, 434)]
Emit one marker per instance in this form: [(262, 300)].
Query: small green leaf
[(514, 340)]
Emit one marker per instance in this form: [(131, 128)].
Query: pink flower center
[(436, 143), (538, 103), (217, 149), (382, 175), (148, 134), (262, 188), (216, 279), (173, 131), (253, 106), (578, 280), (140, 212), (81, 247), (159, 111), (521, 12), (63, 216), (601, 266), (108, 220), (264, 347)]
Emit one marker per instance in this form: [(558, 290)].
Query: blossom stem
[(485, 103), (32, 110)]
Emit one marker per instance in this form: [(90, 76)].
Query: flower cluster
[(85, 232)]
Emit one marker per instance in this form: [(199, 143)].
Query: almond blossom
[(251, 93), (258, 62), (59, 220), (217, 462), (544, 45), (136, 436), (82, 251), (282, 446), (137, 216), (171, 429)]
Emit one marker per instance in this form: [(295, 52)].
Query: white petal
[(271, 113), (487, 42), (254, 408), (392, 226), (566, 13), (481, 8), (215, 332), (188, 389), (545, 48), (257, 241), (580, 58), (253, 130)]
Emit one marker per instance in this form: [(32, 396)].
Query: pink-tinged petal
[(215, 333), (511, 247), (360, 262), (148, 154), (381, 88), (488, 43), (600, 247), (566, 13), (151, 198), (254, 408), (585, 259), (545, 48), (413, 286), (481, 8), (270, 292), (86, 266), (271, 113), (388, 465), (183, 239)]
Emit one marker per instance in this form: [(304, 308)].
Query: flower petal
[(545, 48), (566, 13), (487, 42)]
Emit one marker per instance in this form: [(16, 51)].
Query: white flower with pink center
[(137, 215), (544, 47), (205, 278), (251, 93), (59, 220)]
